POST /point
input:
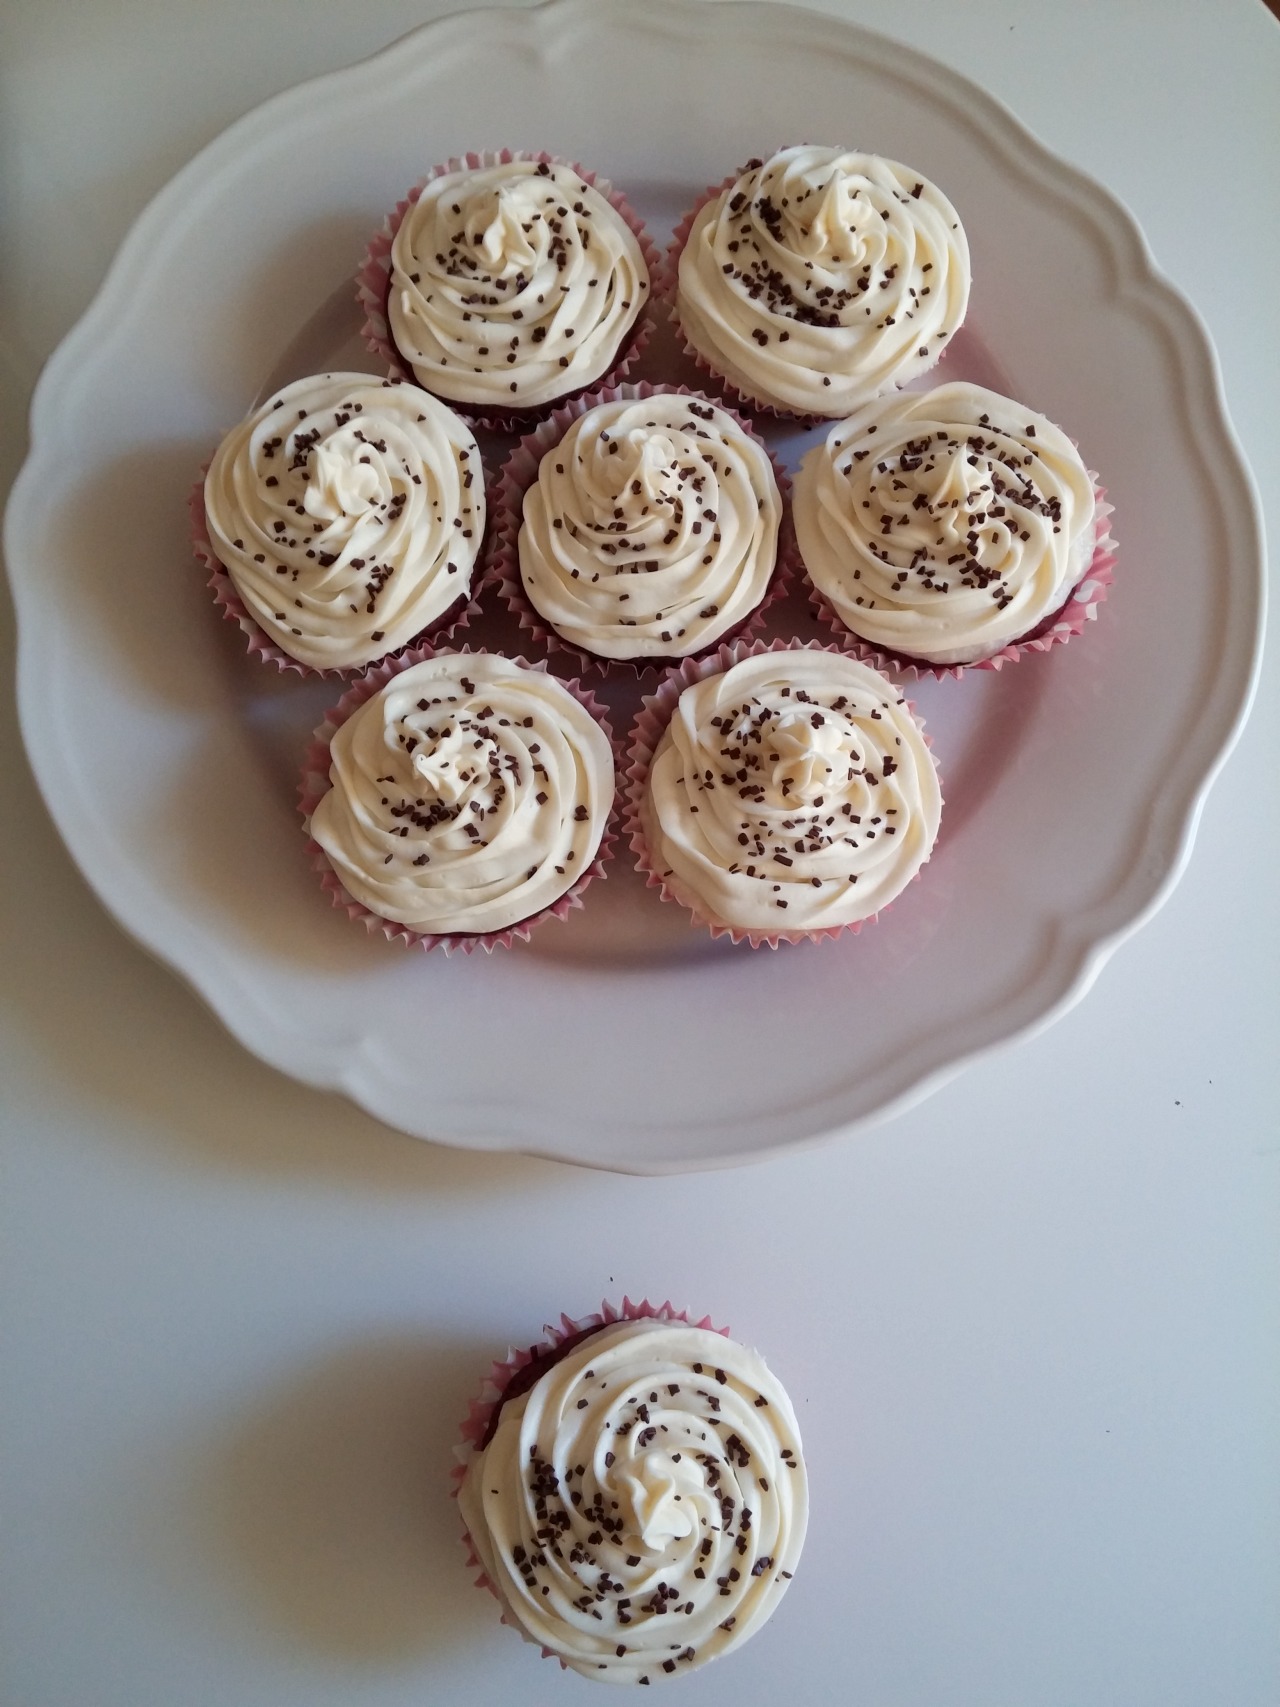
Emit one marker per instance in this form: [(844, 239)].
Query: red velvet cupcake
[(641, 525), (820, 277), (505, 283), (342, 521), (459, 799), (781, 793), (949, 529)]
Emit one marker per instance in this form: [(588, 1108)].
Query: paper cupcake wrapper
[(480, 1412), (373, 289), (1053, 630), (521, 470), (260, 644), (705, 364), (650, 726), (315, 784)]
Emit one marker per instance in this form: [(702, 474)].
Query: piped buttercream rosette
[(508, 282), (951, 528), (458, 799), (815, 279), (342, 521), (780, 792), (633, 1492), (641, 524)]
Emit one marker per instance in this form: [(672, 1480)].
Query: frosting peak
[(806, 751), (658, 1498), (341, 483), (497, 228), (460, 766), (841, 229)]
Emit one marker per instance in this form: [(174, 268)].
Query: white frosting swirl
[(652, 528), (642, 1508), (513, 284), (820, 278), (348, 512), (792, 792), (467, 795), (945, 524)]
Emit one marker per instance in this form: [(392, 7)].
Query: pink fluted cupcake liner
[(505, 1376), (259, 642), (1055, 629), (373, 288), (521, 470), (315, 784), (650, 726)]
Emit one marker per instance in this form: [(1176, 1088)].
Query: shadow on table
[(330, 1504)]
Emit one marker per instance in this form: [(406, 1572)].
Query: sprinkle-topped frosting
[(348, 512), (641, 1509), (944, 524), (513, 284), (820, 278), (467, 795), (791, 793), (652, 528)]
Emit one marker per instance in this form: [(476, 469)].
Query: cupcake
[(506, 283), (634, 1494), (781, 793), (650, 531), (343, 519), (461, 798), (947, 526), (819, 278)]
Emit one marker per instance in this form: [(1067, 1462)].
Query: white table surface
[(1030, 1327)]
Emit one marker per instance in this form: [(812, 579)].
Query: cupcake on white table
[(633, 1491)]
